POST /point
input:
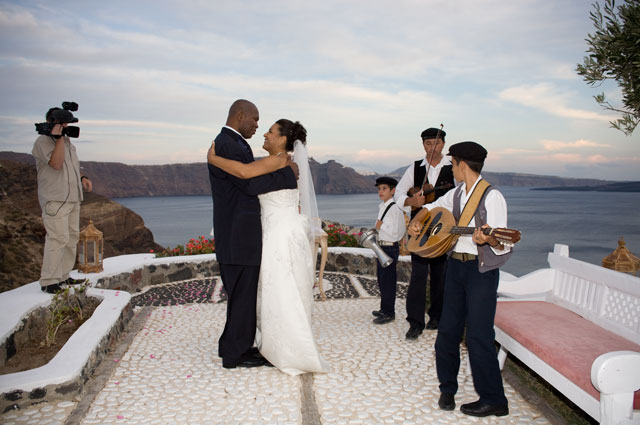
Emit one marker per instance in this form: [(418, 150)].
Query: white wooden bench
[(577, 325)]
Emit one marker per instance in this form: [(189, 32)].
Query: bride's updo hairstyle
[(292, 131)]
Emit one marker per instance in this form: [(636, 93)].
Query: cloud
[(554, 145), (547, 98)]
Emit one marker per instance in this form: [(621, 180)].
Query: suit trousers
[(469, 299), (388, 280), (417, 293), (241, 285), (62, 222)]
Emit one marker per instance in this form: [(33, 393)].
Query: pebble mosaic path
[(171, 374)]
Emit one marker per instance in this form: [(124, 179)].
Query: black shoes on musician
[(480, 409), (251, 358), (382, 317), (477, 408), (432, 325), (446, 401), (413, 333)]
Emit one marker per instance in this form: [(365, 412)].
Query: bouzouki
[(438, 233)]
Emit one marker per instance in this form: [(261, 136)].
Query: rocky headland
[(22, 233), (118, 180)]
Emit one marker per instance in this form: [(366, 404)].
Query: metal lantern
[(622, 260), (90, 249)]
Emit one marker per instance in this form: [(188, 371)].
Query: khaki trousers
[(62, 222)]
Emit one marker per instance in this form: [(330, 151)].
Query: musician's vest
[(445, 177), (487, 259)]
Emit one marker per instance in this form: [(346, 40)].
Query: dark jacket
[(236, 209)]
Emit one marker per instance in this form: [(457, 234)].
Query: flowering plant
[(338, 236), (201, 245)]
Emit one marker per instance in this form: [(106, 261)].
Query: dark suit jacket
[(236, 210)]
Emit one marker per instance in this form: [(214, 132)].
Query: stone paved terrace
[(166, 371)]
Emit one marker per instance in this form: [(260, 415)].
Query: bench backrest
[(608, 298)]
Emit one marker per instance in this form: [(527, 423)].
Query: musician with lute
[(471, 280), (424, 181)]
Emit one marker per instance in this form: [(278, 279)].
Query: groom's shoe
[(377, 313), (244, 362)]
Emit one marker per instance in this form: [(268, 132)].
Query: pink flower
[(151, 356), (120, 417)]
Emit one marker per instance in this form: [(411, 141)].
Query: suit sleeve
[(283, 178)]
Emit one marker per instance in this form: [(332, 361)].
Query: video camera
[(60, 116)]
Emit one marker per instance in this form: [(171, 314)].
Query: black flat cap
[(390, 181), (471, 151), (432, 133)]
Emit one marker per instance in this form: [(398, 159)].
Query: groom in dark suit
[(238, 233)]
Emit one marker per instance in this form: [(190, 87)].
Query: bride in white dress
[(285, 289)]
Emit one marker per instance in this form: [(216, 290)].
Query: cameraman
[(60, 187)]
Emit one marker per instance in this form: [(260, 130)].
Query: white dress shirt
[(496, 215), (406, 182), (393, 226)]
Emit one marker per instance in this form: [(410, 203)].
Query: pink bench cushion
[(563, 339)]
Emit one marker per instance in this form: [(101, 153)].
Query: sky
[(155, 79)]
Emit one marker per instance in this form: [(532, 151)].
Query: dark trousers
[(241, 285), (469, 299), (417, 293), (388, 280)]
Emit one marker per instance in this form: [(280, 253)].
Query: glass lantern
[(90, 249)]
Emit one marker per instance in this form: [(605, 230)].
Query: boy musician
[(471, 286), (391, 228), (434, 169)]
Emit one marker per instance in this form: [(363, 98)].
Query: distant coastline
[(118, 180), (611, 187)]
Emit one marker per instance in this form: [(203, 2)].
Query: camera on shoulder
[(60, 116)]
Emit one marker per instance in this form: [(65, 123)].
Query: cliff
[(118, 180), (22, 234)]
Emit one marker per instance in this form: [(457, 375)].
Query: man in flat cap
[(471, 285), (434, 170)]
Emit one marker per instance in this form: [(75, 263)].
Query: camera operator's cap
[(390, 181), (432, 133), (62, 116), (471, 151)]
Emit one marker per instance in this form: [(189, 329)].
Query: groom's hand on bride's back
[(294, 167)]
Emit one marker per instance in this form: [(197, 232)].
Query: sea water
[(589, 222)]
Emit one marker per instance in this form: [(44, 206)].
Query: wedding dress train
[(285, 290)]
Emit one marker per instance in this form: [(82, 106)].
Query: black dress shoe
[(245, 362), (377, 313), (432, 324), (384, 318), (480, 409), (413, 333), (446, 401), (52, 289)]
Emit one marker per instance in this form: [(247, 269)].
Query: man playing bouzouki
[(430, 177), (471, 286)]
